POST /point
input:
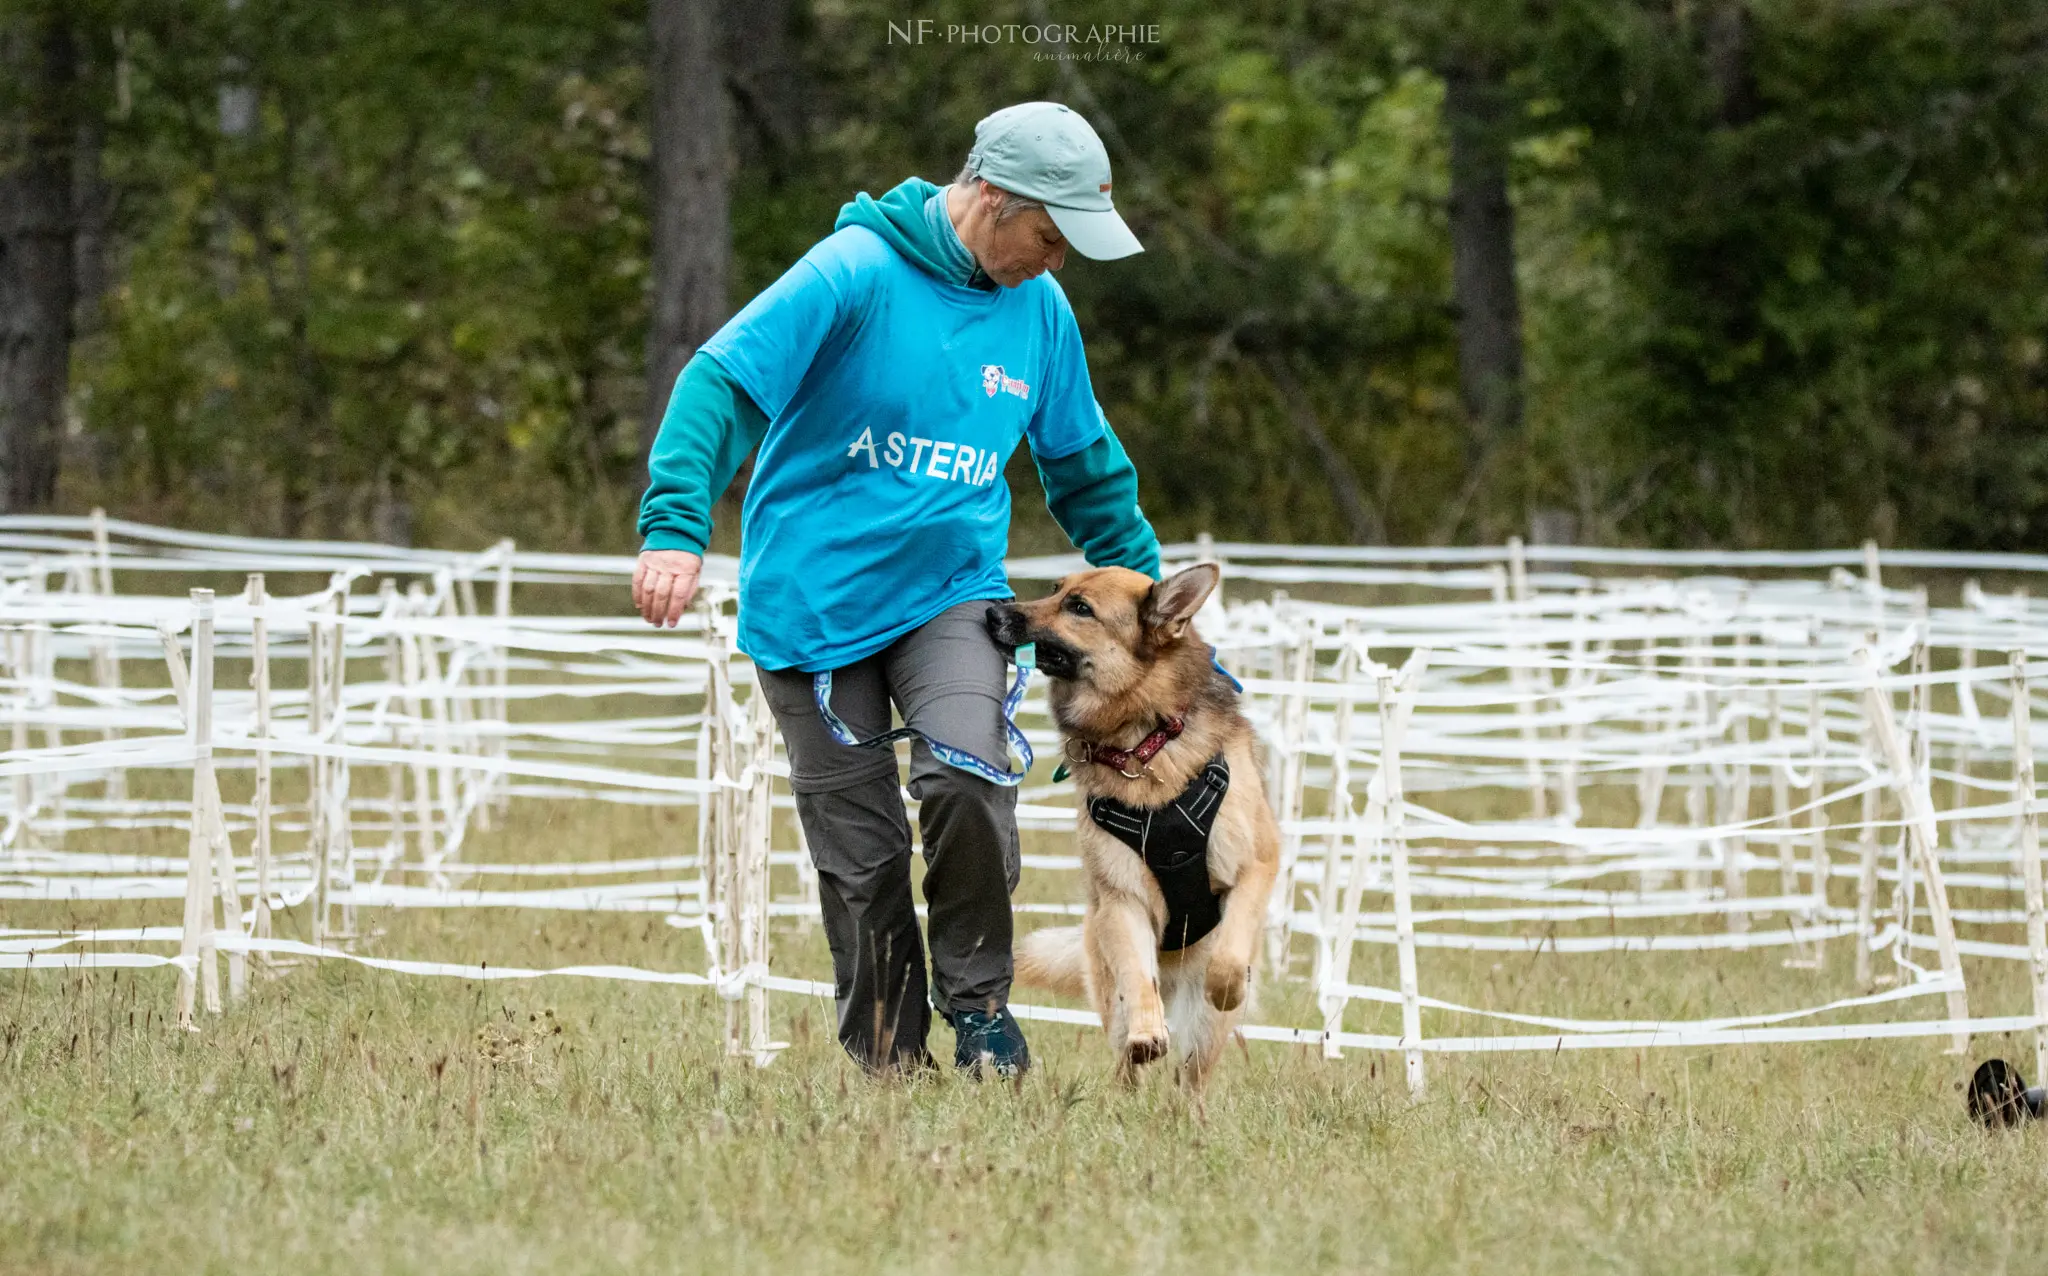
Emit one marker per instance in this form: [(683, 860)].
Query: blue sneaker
[(991, 1042)]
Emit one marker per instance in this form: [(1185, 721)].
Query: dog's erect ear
[(1174, 601)]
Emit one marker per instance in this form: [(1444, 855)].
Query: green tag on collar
[(1060, 772)]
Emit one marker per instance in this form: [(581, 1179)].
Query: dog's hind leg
[(1199, 1029), (1217, 1028), (1125, 953)]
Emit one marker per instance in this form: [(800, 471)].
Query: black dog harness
[(1173, 840)]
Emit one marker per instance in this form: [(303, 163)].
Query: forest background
[(1672, 272)]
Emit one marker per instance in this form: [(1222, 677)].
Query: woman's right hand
[(664, 581)]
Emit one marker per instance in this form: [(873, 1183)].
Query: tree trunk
[(691, 213), (92, 213), (93, 201), (37, 281), (770, 96), (1483, 285), (1728, 63)]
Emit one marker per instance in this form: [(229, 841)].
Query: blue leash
[(821, 691), (1027, 660)]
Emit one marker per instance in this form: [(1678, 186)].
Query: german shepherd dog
[(1153, 734)]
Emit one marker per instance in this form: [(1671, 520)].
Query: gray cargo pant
[(947, 679)]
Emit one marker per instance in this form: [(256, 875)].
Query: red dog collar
[(1122, 760)]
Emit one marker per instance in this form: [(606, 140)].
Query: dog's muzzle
[(1007, 626), (1056, 659)]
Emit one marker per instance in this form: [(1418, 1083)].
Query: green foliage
[(424, 254), (1785, 289), (1837, 297)]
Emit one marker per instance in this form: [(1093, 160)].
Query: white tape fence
[(1482, 750)]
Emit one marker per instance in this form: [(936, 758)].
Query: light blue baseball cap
[(1047, 152)]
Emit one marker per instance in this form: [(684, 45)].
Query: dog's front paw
[(1228, 982), (1147, 1039), (1143, 1048)]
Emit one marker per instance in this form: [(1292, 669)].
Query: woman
[(886, 378)]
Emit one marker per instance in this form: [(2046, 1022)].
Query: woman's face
[(1024, 247)]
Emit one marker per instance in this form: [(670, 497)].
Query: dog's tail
[(1054, 959)]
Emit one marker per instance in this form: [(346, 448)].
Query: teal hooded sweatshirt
[(712, 425)]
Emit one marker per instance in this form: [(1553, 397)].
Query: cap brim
[(1099, 236)]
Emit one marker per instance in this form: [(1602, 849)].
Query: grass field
[(349, 1120)]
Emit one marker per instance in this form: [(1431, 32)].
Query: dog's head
[(1104, 631)]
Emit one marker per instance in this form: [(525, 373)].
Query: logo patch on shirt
[(993, 379)]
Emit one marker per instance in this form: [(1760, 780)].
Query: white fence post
[(2030, 851), (1735, 846), (340, 818), (259, 680), (1337, 805), (1291, 712), (501, 670), (1816, 789), (724, 895), (1923, 835), (1515, 587), (450, 810), (1868, 849), (106, 655), (17, 641), (430, 847), (195, 943), (1397, 847), (760, 827)]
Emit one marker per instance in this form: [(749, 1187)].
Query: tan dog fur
[(1140, 661)]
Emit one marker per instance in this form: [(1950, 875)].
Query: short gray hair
[(1013, 204)]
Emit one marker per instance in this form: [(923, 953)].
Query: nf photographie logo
[(1047, 40)]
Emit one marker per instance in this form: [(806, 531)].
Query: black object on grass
[(2000, 1096)]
